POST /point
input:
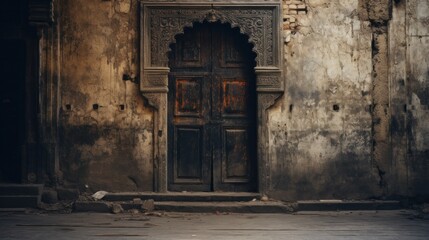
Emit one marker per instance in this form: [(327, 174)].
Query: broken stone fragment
[(99, 195), (148, 205), (117, 208), (264, 198), (134, 211)]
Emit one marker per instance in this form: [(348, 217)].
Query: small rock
[(134, 211), (137, 201), (264, 198), (85, 197), (117, 208), (99, 195), (148, 205), (156, 214)]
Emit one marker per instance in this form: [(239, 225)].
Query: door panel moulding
[(162, 21)]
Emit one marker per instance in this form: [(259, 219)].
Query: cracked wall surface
[(352, 123), (349, 125), (321, 132), (409, 72), (106, 130)]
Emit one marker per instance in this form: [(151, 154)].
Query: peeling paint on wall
[(106, 127)]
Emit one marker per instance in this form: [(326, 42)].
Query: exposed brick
[(286, 26), (293, 6), (301, 6), (293, 2)]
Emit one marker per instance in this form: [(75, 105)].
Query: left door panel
[(190, 168)]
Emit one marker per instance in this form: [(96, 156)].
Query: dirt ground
[(402, 224)]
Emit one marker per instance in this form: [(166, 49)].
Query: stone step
[(200, 207), (242, 206), (21, 189), (225, 207), (339, 205), (13, 210), (184, 196), (19, 201)]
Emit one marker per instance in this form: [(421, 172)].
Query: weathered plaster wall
[(418, 96), (406, 167), (352, 123), (398, 99), (106, 130), (321, 131)]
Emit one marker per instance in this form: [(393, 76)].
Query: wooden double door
[(212, 111)]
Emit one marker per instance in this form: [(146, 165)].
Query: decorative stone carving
[(270, 80), (155, 80), (258, 24), (153, 99), (41, 12), (161, 21), (266, 100)]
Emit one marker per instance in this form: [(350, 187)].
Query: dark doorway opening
[(212, 111), (12, 100)]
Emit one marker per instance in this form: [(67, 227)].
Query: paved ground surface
[(305, 225)]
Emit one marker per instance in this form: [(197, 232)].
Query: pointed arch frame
[(162, 21)]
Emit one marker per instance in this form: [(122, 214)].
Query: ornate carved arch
[(162, 21), (167, 23)]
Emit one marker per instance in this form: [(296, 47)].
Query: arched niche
[(162, 21)]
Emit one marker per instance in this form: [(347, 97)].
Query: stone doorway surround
[(162, 21)]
